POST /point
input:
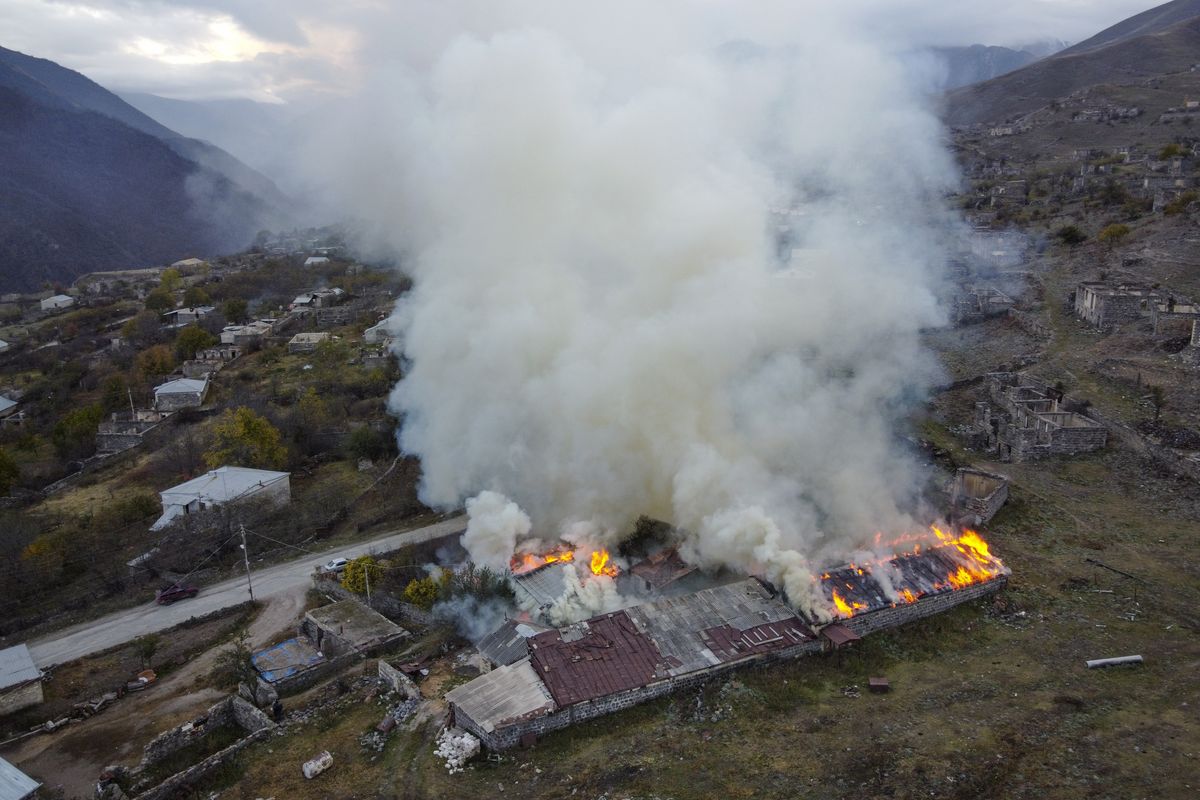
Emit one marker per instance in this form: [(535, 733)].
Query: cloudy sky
[(281, 49)]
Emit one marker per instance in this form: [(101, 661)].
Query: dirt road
[(288, 578)]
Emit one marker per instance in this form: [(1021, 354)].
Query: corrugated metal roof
[(17, 667), (508, 644), (14, 784), (598, 657), (662, 568), (181, 386), (545, 585), (502, 696), (688, 627)]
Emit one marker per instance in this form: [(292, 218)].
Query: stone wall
[(398, 680), (23, 696), (509, 736), (926, 606), (177, 400), (232, 710), (1070, 441), (390, 606)]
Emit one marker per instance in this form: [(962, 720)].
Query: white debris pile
[(456, 748)]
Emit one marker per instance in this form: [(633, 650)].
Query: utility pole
[(246, 557), (367, 575), (132, 410)]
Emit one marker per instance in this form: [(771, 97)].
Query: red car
[(175, 592)]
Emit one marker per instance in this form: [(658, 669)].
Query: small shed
[(20, 680), (7, 407)]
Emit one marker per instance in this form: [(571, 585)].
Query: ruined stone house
[(1173, 316), (976, 495), (1025, 421), (1106, 306)]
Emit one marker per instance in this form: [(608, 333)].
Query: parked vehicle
[(336, 565), (174, 592)]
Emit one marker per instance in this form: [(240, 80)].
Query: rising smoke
[(668, 262)]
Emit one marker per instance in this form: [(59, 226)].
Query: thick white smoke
[(673, 273)]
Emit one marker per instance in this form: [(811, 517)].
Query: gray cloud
[(308, 46)]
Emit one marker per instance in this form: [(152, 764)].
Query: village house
[(315, 261), (58, 302), (250, 334), (180, 393), (1106, 306), (223, 486), (20, 680), (189, 263), (181, 317), (328, 639), (123, 431), (319, 298), (307, 342), (220, 352), (379, 333), (4, 346)]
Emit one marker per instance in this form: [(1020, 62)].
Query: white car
[(336, 565)]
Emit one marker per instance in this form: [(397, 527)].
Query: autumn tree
[(360, 572), (246, 439), (191, 339), (195, 296), (234, 310), (170, 280), (155, 361), (1113, 235), (422, 592), (74, 436), (144, 329), (160, 300)]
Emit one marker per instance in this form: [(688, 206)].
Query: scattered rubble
[(456, 747)]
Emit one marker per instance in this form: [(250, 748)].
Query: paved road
[(292, 576)]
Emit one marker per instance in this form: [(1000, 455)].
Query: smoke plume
[(669, 262)]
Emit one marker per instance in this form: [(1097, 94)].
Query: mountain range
[(88, 182), (1160, 42)]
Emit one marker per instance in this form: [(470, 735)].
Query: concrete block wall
[(20, 697), (926, 606), (1069, 441), (508, 736)]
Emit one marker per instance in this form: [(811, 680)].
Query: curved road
[(122, 626)]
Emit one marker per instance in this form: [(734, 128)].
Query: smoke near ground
[(668, 263)]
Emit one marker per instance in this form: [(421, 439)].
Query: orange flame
[(522, 563), (975, 564), (600, 565)]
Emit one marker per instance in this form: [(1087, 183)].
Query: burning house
[(619, 659)]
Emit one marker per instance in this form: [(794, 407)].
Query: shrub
[(359, 571), (1070, 235)]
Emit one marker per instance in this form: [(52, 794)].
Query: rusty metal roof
[(662, 568), (594, 658), (839, 634)]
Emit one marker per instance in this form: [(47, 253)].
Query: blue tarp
[(285, 659)]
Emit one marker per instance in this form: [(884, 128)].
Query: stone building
[(180, 393), (617, 660), (1106, 306), (977, 495), (1024, 421), (306, 342), (221, 486), (20, 680), (1173, 316)]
